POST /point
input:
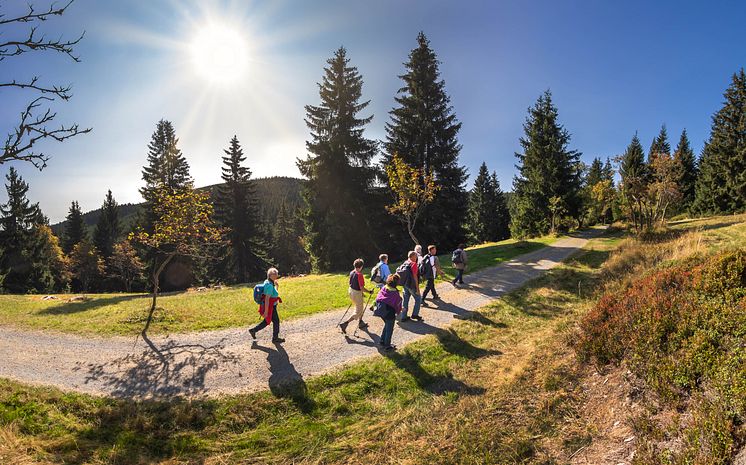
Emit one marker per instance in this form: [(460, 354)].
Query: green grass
[(124, 314)]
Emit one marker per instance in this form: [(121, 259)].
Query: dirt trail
[(228, 362)]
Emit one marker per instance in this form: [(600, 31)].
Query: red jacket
[(272, 302)]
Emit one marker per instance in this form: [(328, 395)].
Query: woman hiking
[(357, 287), (268, 307), (388, 305)]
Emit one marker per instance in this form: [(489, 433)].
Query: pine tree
[(236, 209), (687, 175), (721, 185), (547, 169), (75, 229), (481, 215), (659, 145), (501, 211), (108, 228), (595, 173), (635, 179), (607, 173), (423, 130), (338, 169)]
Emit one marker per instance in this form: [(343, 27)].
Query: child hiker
[(357, 287), (388, 305)]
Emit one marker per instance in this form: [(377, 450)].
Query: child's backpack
[(456, 257), (259, 293), (375, 274)]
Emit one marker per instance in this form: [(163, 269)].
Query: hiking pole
[(343, 316)]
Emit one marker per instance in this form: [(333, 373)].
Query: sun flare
[(219, 54)]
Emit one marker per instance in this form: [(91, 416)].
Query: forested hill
[(271, 192)]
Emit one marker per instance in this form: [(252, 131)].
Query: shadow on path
[(168, 370), (285, 382)]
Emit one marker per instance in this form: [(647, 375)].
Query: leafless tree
[(36, 121)]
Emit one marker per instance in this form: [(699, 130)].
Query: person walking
[(268, 307), (408, 272), (356, 289), (460, 261), (418, 250), (388, 305), (381, 271), (430, 269)]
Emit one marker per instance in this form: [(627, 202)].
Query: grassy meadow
[(125, 314)]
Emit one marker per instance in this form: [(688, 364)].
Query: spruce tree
[(424, 131), (635, 179), (595, 173), (687, 175), (659, 145), (75, 230), (721, 185), (338, 168), (501, 211), (108, 228), (547, 169), (481, 204), (607, 173), (236, 209)]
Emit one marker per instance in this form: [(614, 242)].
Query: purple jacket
[(390, 297)]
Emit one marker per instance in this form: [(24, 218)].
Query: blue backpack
[(259, 293)]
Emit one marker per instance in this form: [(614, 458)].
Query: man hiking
[(429, 270), (357, 287), (459, 260), (409, 279)]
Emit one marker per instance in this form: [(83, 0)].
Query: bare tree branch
[(34, 127)]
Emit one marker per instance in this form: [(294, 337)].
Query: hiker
[(357, 287), (381, 271), (408, 274), (388, 305), (418, 250), (459, 260), (429, 270), (268, 307)]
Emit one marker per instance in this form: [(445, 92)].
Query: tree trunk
[(156, 273), (411, 233)]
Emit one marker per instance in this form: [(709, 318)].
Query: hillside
[(267, 190)]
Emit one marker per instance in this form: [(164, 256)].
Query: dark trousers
[(459, 277), (275, 324), (388, 331), (430, 287)]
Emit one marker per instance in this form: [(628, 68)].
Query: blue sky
[(614, 68)]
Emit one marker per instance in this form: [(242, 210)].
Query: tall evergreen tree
[(338, 169), (236, 208), (607, 173), (108, 228), (595, 173), (635, 179), (482, 224), (721, 185), (501, 211), (424, 131), (687, 170), (75, 230), (547, 169), (659, 145)]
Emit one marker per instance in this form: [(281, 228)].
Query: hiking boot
[(403, 319), (362, 324), (391, 348), (253, 333), (436, 297), (343, 326), (278, 340), (424, 304), (418, 318)]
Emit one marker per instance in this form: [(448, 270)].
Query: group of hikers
[(389, 304)]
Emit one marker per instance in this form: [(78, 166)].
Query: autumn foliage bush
[(682, 331)]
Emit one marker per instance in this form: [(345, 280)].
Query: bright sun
[(219, 54)]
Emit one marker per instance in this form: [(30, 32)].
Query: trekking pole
[(345, 314)]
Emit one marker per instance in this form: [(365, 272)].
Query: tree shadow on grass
[(161, 371), (285, 382), (66, 308)]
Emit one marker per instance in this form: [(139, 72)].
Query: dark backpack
[(375, 274), (405, 273), (456, 257), (425, 269), (259, 293)]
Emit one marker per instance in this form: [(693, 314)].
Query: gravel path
[(228, 362)]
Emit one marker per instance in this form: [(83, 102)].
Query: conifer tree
[(424, 131), (338, 169), (659, 145), (75, 230), (236, 209), (687, 170), (595, 173), (108, 228), (721, 185), (501, 211), (607, 173), (547, 169), (481, 217), (635, 179)]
